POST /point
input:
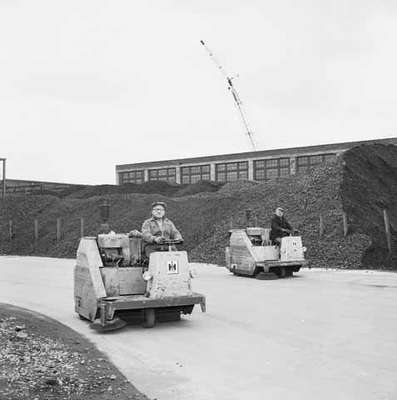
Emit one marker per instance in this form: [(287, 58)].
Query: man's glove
[(159, 239), (135, 233)]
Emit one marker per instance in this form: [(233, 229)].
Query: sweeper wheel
[(112, 325), (150, 318), (265, 276)]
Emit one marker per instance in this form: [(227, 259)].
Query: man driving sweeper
[(280, 226), (157, 229)]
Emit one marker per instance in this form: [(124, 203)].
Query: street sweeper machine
[(114, 283)]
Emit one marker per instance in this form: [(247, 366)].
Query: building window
[(304, 163), (131, 177), (195, 173), (270, 169), (228, 172), (163, 174)]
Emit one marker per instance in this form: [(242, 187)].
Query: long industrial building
[(253, 165), (18, 186)]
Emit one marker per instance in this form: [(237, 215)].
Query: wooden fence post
[(345, 225), (321, 226), (248, 214), (36, 230), (81, 227), (59, 229), (387, 229), (10, 230)]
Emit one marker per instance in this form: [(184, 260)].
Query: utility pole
[(4, 178), (235, 95)]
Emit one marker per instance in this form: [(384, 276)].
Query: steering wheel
[(171, 242)]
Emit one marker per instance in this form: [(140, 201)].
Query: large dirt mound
[(362, 183), (158, 187), (369, 187)]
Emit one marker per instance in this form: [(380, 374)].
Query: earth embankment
[(362, 183)]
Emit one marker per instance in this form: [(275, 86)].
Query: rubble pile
[(361, 183), (30, 364), (40, 358), (305, 198), (368, 189), (158, 187)]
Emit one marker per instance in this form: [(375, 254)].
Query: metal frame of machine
[(113, 282), (108, 306), (251, 253)]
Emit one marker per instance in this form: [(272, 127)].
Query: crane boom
[(236, 97)]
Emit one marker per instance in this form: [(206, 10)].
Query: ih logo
[(172, 267)]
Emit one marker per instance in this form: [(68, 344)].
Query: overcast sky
[(88, 84)]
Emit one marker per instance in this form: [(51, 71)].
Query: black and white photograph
[(198, 200)]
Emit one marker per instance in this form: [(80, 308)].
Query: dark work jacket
[(279, 223)]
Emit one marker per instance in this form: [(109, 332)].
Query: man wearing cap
[(158, 228), (280, 226)]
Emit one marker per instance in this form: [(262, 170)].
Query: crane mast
[(236, 97)]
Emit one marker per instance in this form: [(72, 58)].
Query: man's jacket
[(278, 224), (151, 229)]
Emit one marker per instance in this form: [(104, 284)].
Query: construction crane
[(234, 93)]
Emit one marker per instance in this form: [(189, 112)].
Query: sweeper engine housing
[(113, 282), (251, 253)]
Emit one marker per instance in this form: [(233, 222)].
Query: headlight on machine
[(304, 249), (147, 276)]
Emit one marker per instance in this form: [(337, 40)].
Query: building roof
[(256, 154), (11, 181)]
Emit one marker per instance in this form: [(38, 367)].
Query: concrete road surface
[(320, 335)]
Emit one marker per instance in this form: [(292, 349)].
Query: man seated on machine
[(280, 226), (158, 229)]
